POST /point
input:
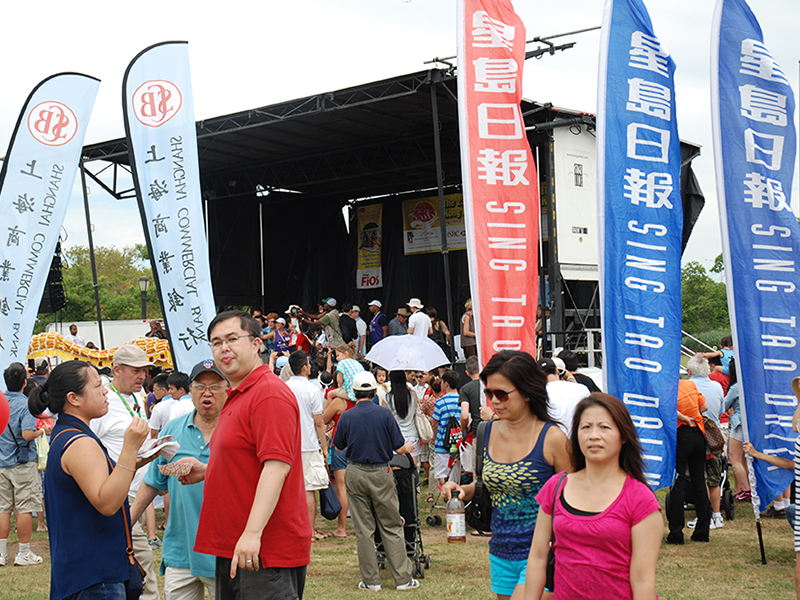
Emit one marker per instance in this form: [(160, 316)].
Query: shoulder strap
[(553, 511), (480, 436), (555, 494)]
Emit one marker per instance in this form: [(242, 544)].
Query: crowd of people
[(286, 407)]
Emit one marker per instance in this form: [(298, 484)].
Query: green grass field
[(729, 567)]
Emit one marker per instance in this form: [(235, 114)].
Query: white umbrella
[(407, 353)]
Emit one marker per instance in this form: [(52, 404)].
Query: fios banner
[(501, 194), (162, 142), (36, 183), (641, 222), (369, 273), (754, 148)]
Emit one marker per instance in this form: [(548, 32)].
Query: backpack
[(453, 436)]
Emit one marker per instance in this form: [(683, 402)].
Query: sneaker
[(372, 588), (27, 558), (692, 524), (409, 586), (718, 522), (742, 496), (154, 543), (3, 559)]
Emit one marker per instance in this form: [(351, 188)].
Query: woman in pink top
[(606, 520)]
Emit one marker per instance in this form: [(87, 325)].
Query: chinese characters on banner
[(501, 194), (37, 177), (641, 224), (369, 274), (421, 233), (754, 148), (162, 142)]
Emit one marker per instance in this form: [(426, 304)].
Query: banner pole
[(91, 254), (761, 542), (442, 221)]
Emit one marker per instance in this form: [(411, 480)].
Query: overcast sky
[(247, 54)]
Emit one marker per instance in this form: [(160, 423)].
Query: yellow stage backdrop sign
[(421, 232), (369, 273)]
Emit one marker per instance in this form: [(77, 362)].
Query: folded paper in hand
[(165, 444)]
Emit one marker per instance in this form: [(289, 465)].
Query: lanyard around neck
[(135, 404)]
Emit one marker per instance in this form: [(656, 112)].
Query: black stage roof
[(282, 174)]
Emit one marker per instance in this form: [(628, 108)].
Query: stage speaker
[(53, 298)]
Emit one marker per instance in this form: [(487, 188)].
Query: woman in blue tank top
[(85, 492), (522, 450)]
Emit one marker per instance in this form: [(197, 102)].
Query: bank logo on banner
[(641, 225), (156, 102), (52, 123), (501, 194), (755, 145), (162, 142), (35, 187)]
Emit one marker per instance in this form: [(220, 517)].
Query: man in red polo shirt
[(254, 517)]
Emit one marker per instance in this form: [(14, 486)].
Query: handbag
[(713, 435), (134, 587), (550, 584), (424, 429), (329, 505), (479, 509), (42, 450)]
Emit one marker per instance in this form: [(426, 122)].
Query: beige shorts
[(314, 471), (20, 486)]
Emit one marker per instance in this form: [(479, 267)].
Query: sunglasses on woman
[(501, 395)]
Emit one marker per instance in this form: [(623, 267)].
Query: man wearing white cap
[(330, 320), (563, 395), (419, 323), (125, 400), (379, 325), (361, 331), (370, 434)]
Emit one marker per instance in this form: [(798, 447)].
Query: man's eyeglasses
[(501, 395), (229, 340), (214, 387)]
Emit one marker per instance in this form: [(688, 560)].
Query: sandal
[(430, 498), (318, 536)]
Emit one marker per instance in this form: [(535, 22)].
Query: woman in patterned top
[(522, 450)]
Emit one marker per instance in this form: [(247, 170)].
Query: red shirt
[(260, 421)]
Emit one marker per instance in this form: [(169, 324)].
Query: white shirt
[(421, 324), (181, 407), (160, 413), (361, 328), (75, 339), (110, 428), (309, 400), (564, 397)]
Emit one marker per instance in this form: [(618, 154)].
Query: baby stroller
[(407, 483), (726, 494)]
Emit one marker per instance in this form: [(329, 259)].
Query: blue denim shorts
[(506, 574), (100, 591), (338, 459)]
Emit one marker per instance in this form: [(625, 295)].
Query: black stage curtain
[(309, 255)]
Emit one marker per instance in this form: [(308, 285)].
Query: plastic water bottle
[(456, 520)]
